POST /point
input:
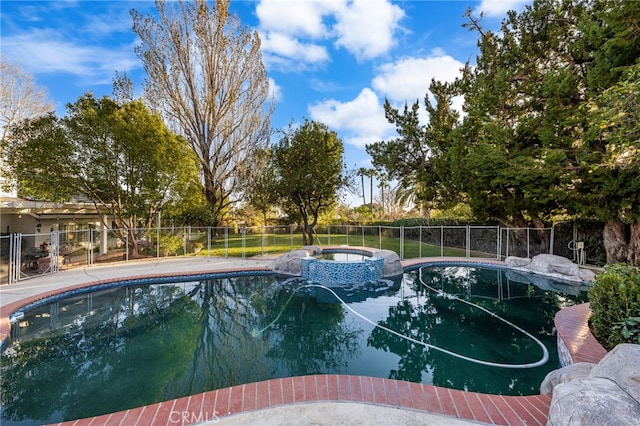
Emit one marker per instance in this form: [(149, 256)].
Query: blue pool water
[(139, 343)]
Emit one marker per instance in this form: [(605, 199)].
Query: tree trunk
[(132, 243), (615, 241), (634, 243)]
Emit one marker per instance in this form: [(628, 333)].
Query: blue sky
[(334, 61)]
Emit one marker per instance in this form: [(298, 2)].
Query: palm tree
[(362, 172)]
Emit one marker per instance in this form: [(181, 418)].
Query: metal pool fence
[(26, 255)]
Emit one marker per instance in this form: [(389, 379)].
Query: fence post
[(208, 241), (420, 241), (402, 242), (126, 244), (54, 251), (468, 242), (226, 241), (244, 240), (186, 236), (441, 240), (90, 238), (362, 227), (498, 242), (380, 235), (15, 248), (528, 255), (551, 237)]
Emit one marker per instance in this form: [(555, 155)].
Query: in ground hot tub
[(339, 265), (342, 271)]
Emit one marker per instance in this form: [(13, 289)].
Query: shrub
[(615, 305), (171, 245)]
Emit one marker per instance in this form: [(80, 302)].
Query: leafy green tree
[(362, 172), (548, 130), (310, 173), (261, 191), (608, 181), (521, 100), (120, 157), (418, 158)]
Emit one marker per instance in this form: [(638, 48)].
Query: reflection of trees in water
[(91, 369), (450, 324), (310, 336), (225, 352), (144, 344)]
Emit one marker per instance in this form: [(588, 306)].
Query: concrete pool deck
[(317, 400)]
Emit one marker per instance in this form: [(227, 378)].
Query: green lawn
[(257, 244)]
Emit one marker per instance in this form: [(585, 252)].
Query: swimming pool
[(134, 344)]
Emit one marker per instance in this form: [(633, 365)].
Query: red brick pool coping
[(571, 325)]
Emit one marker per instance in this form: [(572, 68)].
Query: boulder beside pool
[(551, 265), (607, 393)]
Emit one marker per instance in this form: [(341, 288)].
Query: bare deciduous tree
[(20, 97), (206, 77)]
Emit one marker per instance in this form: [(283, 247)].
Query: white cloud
[(275, 91), (44, 51), (362, 121), (408, 79), (281, 45), (358, 122), (498, 8), (366, 27), (301, 18)]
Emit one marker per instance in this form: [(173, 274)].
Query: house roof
[(45, 209)]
